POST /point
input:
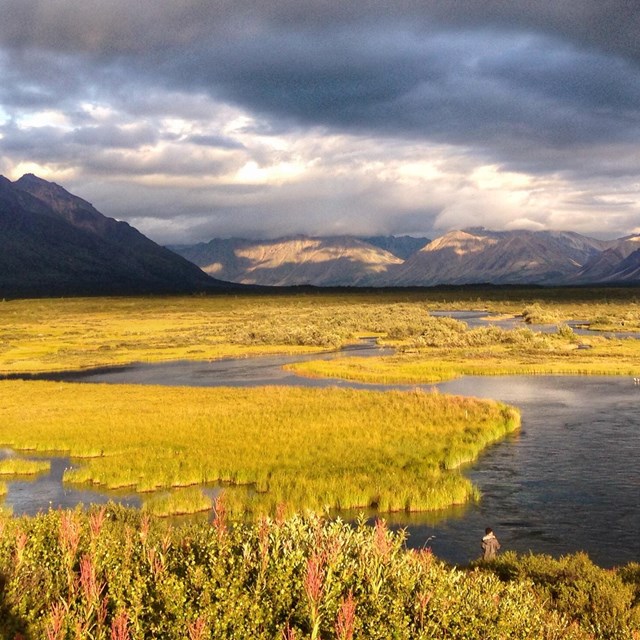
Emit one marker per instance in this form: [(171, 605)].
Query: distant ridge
[(499, 257), (462, 257), (53, 243), (293, 260)]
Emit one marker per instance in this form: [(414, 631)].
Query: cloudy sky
[(194, 119)]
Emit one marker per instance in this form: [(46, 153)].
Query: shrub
[(600, 600), (113, 572)]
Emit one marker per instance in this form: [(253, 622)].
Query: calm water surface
[(568, 481), (33, 494)]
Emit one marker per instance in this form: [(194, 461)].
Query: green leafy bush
[(116, 573), (603, 602)]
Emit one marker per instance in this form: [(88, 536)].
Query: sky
[(195, 119)]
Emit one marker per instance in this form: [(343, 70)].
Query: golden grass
[(177, 502), (605, 357), (306, 448), (23, 467), (61, 334)]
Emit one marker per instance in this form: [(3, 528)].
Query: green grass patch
[(23, 467), (177, 502), (303, 448)]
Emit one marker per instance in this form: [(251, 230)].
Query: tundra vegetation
[(267, 567), (107, 426), (439, 349), (301, 448), (62, 334), (115, 573)]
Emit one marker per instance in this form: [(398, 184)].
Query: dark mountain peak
[(48, 191), (72, 208), (30, 179), (55, 243)]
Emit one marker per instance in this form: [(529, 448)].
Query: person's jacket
[(490, 546)]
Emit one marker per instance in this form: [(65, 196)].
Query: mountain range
[(468, 256), (53, 243)]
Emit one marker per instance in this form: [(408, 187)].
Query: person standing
[(490, 544)]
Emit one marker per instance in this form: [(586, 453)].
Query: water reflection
[(247, 372), (569, 481)]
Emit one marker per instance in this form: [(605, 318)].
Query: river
[(569, 480)]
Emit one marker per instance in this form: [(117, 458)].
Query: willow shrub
[(603, 602), (114, 573)]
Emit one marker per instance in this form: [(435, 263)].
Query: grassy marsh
[(443, 349), (155, 438), (304, 448), (23, 467), (59, 334)]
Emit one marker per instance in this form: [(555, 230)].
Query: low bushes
[(114, 573), (605, 603)]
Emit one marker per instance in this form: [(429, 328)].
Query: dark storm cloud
[(520, 98), (542, 88), (121, 26), (455, 72), (492, 74)]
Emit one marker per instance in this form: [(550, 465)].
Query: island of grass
[(23, 467), (273, 447), (440, 349)]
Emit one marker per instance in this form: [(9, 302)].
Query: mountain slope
[(498, 257), (469, 256), (334, 261), (628, 270), (614, 264), (54, 243), (400, 246)]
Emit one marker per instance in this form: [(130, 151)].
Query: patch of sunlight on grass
[(303, 448)]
